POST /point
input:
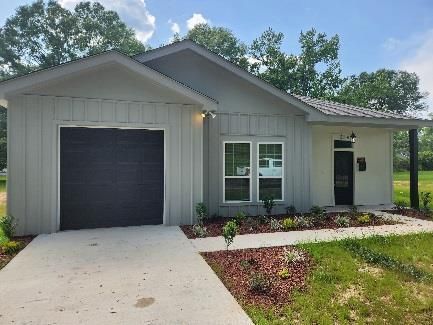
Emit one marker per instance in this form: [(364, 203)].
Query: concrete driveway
[(135, 275)]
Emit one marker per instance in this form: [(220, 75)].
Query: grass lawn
[(401, 185), (343, 288)]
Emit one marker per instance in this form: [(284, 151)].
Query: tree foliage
[(220, 41), (384, 90), (41, 35)]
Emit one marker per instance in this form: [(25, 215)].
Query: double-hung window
[(270, 170), (237, 171)]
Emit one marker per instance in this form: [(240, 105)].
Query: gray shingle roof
[(338, 109)]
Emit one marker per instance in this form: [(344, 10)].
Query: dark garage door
[(111, 177)]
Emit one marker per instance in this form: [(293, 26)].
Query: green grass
[(344, 289), (401, 185)]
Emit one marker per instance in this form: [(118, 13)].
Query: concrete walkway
[(135, 275), (408, 226)]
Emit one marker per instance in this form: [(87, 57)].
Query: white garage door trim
[(109, 127)]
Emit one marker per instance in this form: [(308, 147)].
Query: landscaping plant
[(291, 256), (8, 226), (400, 205), (252, 223), (426, 200), (364, 218), (289, 223), (342, 221), (283, 273), (274, 224), (268, 203), (201, 211), (230, 230), (304, 221), (11, 247), (258, 282), (199, 230), (239, 217), (263, 219), (317, 214)]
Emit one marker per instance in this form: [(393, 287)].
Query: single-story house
[(111, 140)]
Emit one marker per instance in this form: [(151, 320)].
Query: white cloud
[(195, 20), (133, 12), (420, 61), (174, 27)]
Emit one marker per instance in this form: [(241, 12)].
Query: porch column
[(413, 149)]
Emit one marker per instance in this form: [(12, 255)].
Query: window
[(339, 144), (270, 170), (237, 171)]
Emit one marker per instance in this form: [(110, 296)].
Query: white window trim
[(224, 172), (283, 167)]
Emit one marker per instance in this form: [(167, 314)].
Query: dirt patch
[(352, 292), (238, 268), (144, 302), (373, 271), (258, 225), (412, 213), (5, 258)]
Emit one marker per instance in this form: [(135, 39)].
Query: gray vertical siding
[(292, 130), (33, 152)]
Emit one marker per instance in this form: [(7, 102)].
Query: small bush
[(199, 230), (201, 210), (291, 209), (289, 223), (400, 205), (317, 214), (353, 209), (8, 226), (274, 224), (304, 222), (11, 247), (230, 230), (258, 282), (268, 203), (426, 200), (252, 223), (263, 219), (247, 264), (283, 273), (291, 256), (364, 219), (239, 217), (342, 221)]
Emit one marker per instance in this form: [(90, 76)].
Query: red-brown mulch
[(5, 258), (267, 261), (412, 213), (214, 226)]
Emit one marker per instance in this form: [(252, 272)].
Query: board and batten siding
[(33, 142), (291, 130)]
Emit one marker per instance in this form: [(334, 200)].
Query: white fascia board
[(26, 82)]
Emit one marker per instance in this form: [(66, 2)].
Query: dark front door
[(343, 177), (110, 177)]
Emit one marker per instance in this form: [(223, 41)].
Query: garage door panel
[(111, 177)]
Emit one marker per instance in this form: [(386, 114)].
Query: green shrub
[(317, 214), (304, 221), (291, 256), (8, 226), (400, 205), (426, 200), (284, 273), (263, 219), (239, 217), (274, 224), (230, 230), (201, 210), (248, 263), (291, 209), (315, 209), (268, 204), (342, 221), (258, 282), (199, 230), (11, 247), (252, 223), (364, 219), (289, 223), (426, 160)]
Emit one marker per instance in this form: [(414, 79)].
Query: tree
[(315, 72), (220, 41), (384, 90), (42, 35)]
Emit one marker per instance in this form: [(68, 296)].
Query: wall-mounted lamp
[(205, 114), (353, 137)]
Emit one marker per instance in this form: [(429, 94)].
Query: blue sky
[(374, 34)]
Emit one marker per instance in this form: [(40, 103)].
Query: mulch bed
[(412, 213), (5, 258), (236, 267), (214, 226)]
